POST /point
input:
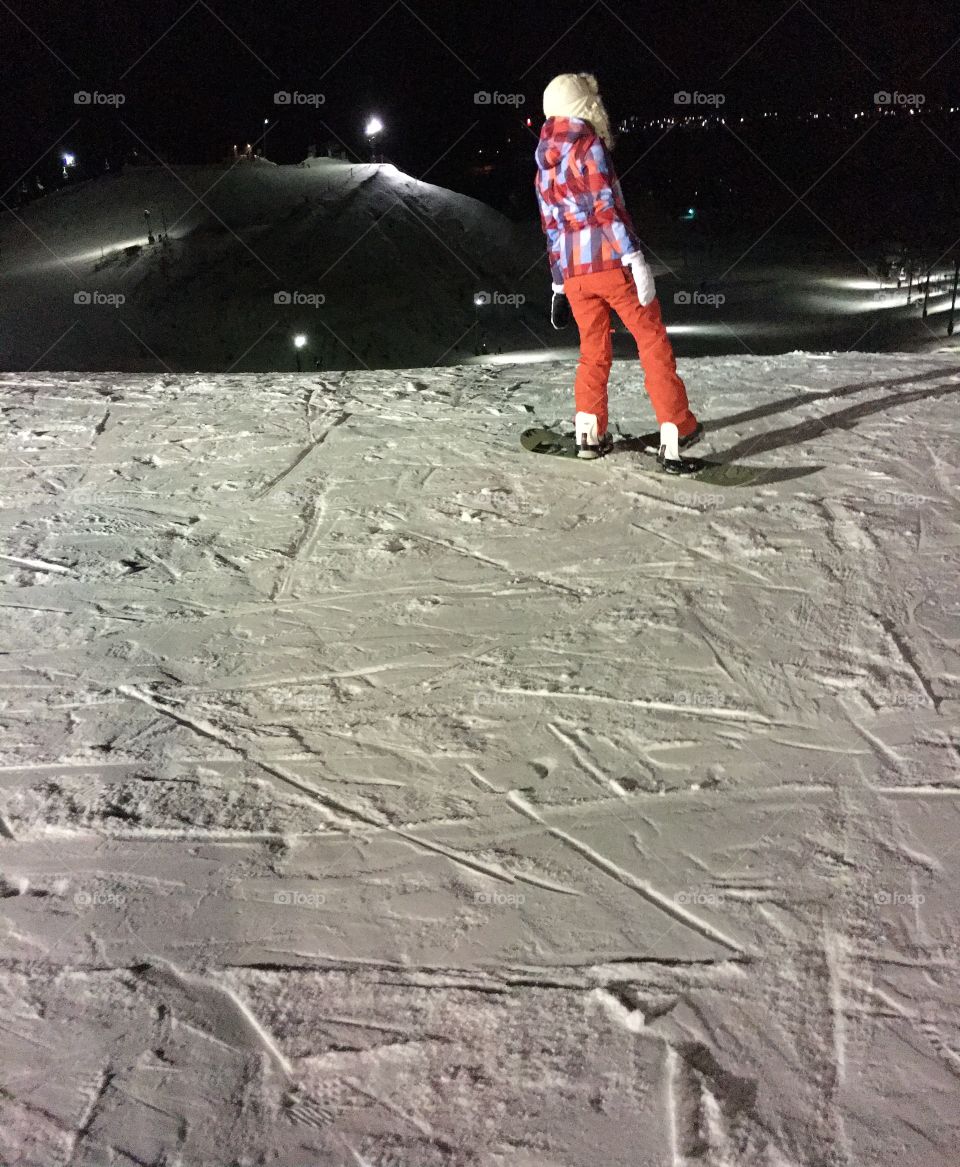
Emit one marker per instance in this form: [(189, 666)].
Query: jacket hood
[(577, 95), (557, 139)]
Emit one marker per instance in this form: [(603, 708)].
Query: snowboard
[(547, 440)]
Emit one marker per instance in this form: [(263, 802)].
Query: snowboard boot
[(692, 438), (652, 442), (590, 444), (670, 445)]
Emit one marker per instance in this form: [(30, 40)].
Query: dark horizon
[(197, 76)]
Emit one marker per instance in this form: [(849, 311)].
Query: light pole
[(480, 300), (374, 127), (266, 122), (299, 342)]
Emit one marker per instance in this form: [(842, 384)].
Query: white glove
[(642, 277)]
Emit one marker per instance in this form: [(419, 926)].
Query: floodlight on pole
[(373, 128)]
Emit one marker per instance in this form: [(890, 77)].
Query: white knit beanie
[(577, 95)]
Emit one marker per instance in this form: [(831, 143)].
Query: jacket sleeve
[(552, 231), (602, 201)]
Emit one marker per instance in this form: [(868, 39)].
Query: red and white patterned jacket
[(587, 225)]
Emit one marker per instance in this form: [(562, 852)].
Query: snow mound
[(377, 268)]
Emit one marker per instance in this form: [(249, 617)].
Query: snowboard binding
[(669, 458)]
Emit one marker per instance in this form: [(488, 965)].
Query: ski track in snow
[(374, 792)]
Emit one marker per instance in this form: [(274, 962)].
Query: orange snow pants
[(591, 298)]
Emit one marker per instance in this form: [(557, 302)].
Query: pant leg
[(667, 392), (592, 314)]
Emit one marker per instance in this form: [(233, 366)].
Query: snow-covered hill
[(374, 792), (381, 270), (395, 262)]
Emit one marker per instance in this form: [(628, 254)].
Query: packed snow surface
[(377, 793)]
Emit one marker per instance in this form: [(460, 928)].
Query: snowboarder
[(597, 265)]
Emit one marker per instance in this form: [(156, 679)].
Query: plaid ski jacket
[(581, 205)]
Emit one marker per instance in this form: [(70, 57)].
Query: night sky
[(198, 76)]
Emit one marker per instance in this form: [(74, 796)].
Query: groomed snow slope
[(377, 793)]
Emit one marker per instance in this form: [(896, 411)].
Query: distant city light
[(707, 122)]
